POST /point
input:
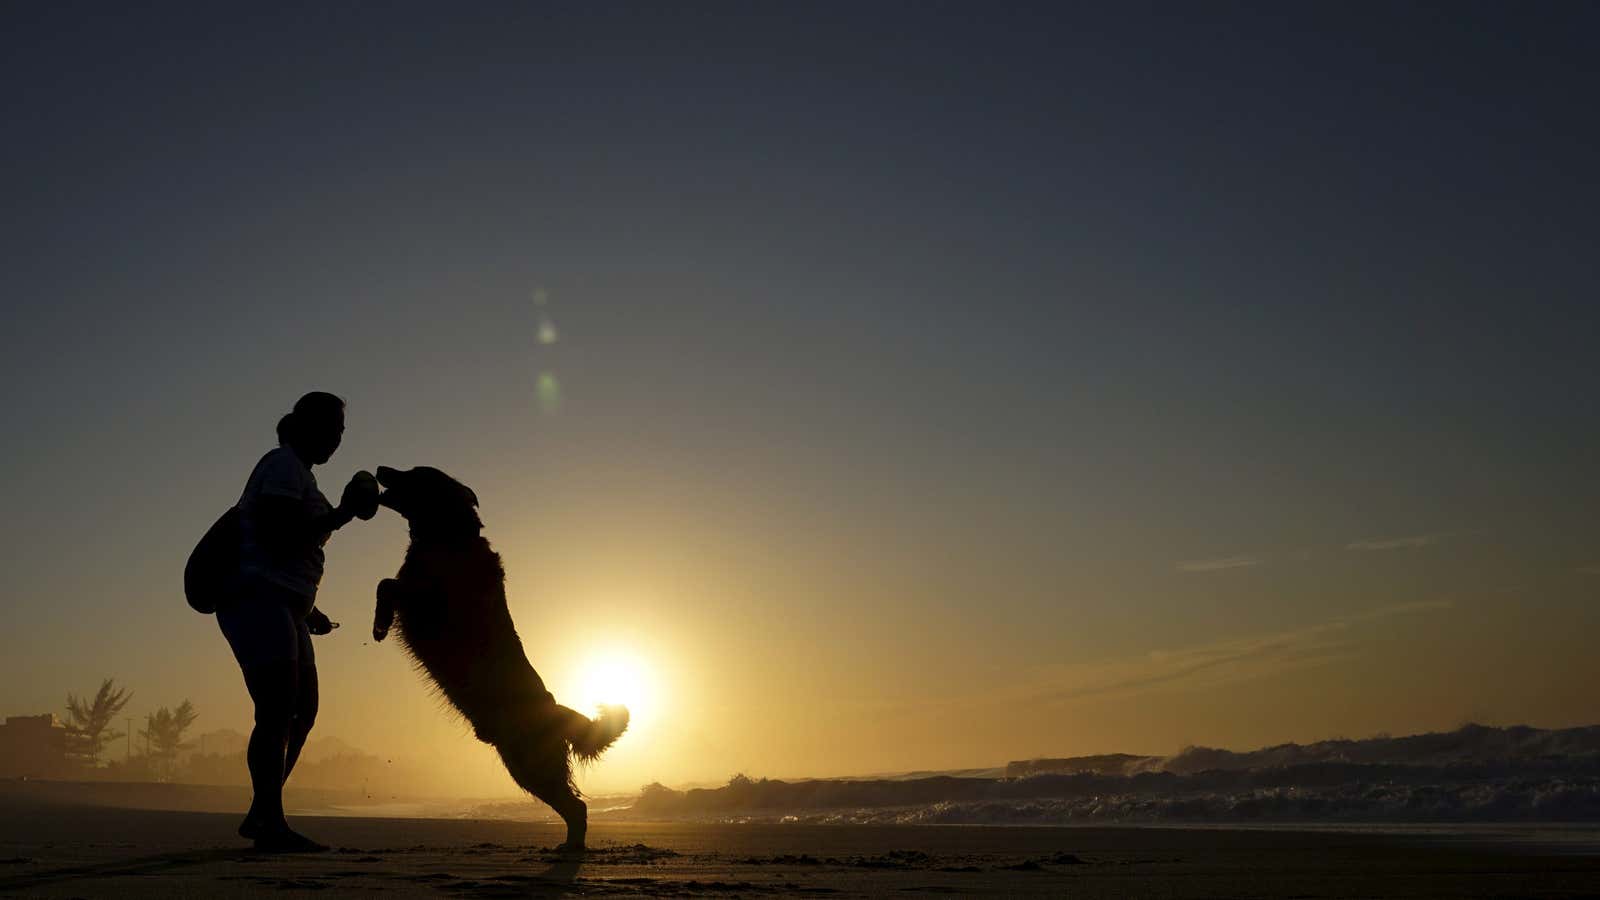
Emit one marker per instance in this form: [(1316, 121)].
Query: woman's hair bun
[(317, 406)]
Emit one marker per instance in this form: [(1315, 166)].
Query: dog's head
[(429, 499)]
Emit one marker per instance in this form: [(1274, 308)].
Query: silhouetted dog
[(451, 602)]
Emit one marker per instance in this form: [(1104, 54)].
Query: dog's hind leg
[(541, 768), (572, 810)]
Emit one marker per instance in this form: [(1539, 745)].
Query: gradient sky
[(939, 385)]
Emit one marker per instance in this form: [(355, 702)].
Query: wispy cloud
[(1221, 662), (1409, 542), (1199, 667), (1217, 565)]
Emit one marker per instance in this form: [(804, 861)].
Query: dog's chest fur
[(452, 618)]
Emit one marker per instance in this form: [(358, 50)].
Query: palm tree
[(89, 722), (164, 730)]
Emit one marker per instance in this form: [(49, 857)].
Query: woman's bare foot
[(255, 826), (286, 840)]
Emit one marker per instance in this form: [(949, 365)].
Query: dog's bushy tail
[(590, 737)]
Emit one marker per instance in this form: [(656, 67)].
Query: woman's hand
[(360, 497), (317, 622)]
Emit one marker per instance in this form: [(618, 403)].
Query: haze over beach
[(854, 394)]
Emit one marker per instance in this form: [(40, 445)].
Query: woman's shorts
[(261, 628)]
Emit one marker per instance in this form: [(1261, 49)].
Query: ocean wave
[(1475, 774)]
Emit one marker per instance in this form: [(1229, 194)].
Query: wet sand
[(56, 850)]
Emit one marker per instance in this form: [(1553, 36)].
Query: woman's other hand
[(317, 622)]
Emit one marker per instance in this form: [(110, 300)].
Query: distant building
[(34, 747)]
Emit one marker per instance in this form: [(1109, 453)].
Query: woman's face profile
[(323, 438)]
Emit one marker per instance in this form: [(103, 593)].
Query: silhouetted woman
[(283, 523)]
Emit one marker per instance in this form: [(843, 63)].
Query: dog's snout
[(387, 476)]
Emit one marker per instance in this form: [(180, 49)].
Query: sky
[(888, 386)]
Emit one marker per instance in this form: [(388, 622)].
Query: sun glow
[(618, 676)]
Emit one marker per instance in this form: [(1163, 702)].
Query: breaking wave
[(1474, 774)]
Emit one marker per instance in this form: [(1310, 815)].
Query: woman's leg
[(272, 648), (274, 744), (273, 687), (305, 715)]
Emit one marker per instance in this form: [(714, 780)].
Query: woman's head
[(314, 428)]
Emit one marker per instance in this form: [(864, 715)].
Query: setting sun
[(617, 676)]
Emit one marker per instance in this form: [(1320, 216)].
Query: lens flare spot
[(549, 391)]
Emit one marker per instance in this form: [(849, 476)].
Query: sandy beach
[(50, 848)]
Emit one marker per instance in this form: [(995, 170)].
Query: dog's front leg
[(389, 590)]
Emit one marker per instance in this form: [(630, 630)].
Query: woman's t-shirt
[(293, 565)]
